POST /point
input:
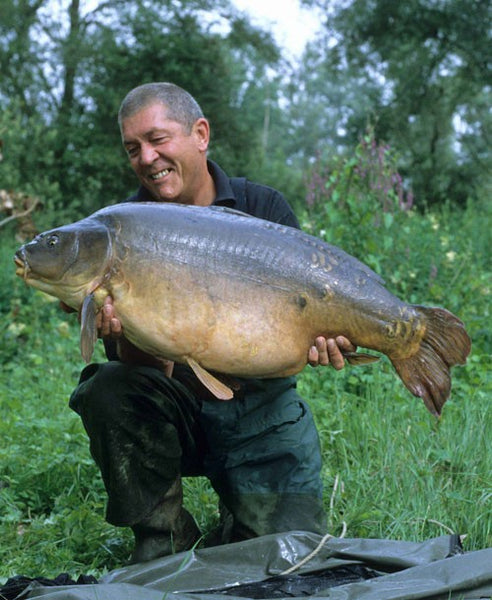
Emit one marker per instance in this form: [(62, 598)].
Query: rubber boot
[(167, 530)]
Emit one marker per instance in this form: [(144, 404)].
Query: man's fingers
[(319, 353), (330, 352), (344, 344), (116, 328), (108, 324), (313, 356), (323, 353), (106, 314), (335, 355)]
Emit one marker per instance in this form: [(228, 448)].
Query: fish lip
[(21, 263), (19, 259)]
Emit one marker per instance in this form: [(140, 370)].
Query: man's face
[(169, 161)]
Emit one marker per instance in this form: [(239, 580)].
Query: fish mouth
[(22, 268)]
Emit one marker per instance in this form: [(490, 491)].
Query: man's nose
[(148, 154)]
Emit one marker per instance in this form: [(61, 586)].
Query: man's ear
[(201, 129)]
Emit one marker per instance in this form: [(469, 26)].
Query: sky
[(292, 25)]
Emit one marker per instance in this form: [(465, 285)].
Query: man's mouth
[(160, 174)]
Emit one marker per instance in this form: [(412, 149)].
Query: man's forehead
[(148, 121), (154, 111)]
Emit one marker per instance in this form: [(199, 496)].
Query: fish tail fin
[(427, 373)]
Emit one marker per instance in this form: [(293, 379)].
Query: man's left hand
[(330, 352)]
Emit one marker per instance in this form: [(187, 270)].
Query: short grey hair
[(181, 106)]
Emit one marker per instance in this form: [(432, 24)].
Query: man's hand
[(108, 325), (330, 352)]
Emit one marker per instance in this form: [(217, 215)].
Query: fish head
[(68, 262)]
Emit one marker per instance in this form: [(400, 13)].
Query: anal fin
[(218, 389), (359, 358)]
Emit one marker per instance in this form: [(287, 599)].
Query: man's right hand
[(330, 351)]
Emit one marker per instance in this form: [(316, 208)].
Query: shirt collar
[(224, 195)]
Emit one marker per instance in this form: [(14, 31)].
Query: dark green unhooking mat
[(342, 569)]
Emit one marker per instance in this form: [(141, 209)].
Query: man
[(150, 422)]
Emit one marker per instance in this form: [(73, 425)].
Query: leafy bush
[(394, 471)]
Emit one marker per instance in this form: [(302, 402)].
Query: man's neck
[(205, 195)]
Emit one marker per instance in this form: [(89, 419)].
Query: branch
[(22, 214)]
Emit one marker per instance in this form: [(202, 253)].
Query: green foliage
[(51, 498), (390, 469), (394, 471), (22, 136), (418, 70), (359, 203), (60, 136)]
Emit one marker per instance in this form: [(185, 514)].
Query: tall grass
[(391, 470)]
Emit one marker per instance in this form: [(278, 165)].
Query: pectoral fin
[(218, 389), (359, 358), (88, 329)]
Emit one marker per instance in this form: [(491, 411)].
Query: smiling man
[(167, 155), (151, 422)]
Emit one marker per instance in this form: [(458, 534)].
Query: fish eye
[(52, 240)]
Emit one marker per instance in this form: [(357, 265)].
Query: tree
[(85, 62), (420, 70)]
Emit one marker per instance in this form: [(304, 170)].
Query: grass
[(391, 470), (400, 473)]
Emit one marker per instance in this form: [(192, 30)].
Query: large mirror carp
[(234, 294)]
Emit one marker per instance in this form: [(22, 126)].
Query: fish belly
[(239, 328)]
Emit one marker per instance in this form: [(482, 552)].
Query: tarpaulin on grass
[(341, 569)]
